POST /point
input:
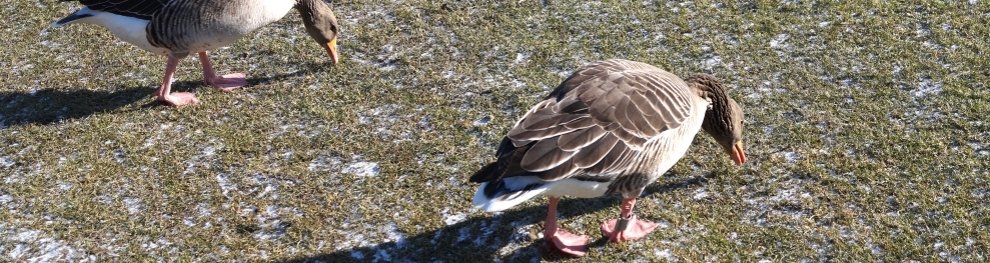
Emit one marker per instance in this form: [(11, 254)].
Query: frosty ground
[(866, 132)]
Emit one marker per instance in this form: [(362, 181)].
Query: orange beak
[(331, 48), (738, 155)]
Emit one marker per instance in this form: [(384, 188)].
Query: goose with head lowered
[(177, 28), (612, 127)]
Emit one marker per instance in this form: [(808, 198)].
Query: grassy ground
[(867, 127)]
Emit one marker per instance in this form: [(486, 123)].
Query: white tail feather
[(500, 202)]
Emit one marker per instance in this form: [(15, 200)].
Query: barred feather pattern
[(189, 26)]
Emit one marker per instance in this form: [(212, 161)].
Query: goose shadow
[(480, 238), (52, 105)]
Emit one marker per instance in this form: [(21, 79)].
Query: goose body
[(612, 127), (191, 26), (177, 28), (641, 167)]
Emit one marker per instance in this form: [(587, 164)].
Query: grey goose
[(177, 28), (612, 127)]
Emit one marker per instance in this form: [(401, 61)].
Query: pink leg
[(561, 240), (164, 93), (627, 227), (226, 82)]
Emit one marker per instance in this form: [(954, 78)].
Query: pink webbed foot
[(633, 229), (227, 82), (179, 99), (568, 244)]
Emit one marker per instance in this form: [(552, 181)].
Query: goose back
[(140, 9)]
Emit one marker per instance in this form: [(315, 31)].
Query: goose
[(177, 28), (612, 127)]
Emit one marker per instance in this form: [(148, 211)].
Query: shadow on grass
[(52, 105), (479, 239)]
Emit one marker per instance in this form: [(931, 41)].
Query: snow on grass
[(482, 121), (6, 199), (699, 194), (521, 236), (926, 87), (134, 205), (665, 254), (791, 157), (323, 163), (271, 223), (6, 162), (521, 58), (362, 168), (450, 219), (27, 245), (223, 180), (780, 41)]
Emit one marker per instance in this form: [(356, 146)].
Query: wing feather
[(597, 120), (143, 9)]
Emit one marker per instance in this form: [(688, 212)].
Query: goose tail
[(505, 193), (74, 17)]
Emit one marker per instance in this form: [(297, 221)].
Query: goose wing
[(594, 122), (142, 9)]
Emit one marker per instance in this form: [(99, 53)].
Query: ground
[(866, 127)]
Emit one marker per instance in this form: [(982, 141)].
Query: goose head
[(724, 119), (321, 25)]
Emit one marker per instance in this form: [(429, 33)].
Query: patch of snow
[(425, 124), (713, 61), (699, 194), (7, 198), (392, 234), (520, 58), (482, 121), (225, 185), (451, 219), (209, 151), (104, 199), (134, 205), (203, 210), (665, 254), (160, 242), (6, 162), (364, 119), (357, 255), (34, 246), (922, 31), (323, 163), (448, 74), (926, 86), (874, 248), (362, 168), (463, 234), (118, 155), (273, 227), (791, 157), (779, 40), (518, 240), (518, 83)]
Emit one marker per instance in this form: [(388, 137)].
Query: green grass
[(866, 131)]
